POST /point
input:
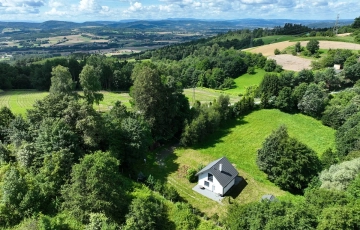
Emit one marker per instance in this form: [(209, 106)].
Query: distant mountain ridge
[(173, 22)]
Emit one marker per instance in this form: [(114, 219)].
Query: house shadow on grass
[(240, 184), (214, 138)]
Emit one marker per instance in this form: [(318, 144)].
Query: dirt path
[(335, 45), (268, 50), (290, 62)]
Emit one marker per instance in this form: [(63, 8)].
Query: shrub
[(191, 175), (339, 176), (183, 217), (251, 70), (277, 51), (171, 194)]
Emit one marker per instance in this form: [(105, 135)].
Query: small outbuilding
[(218, 176)]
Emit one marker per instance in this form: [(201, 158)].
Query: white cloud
[(55, 12), (135, 6), (81, 10), (20, 6), (256, 2), (55, 4), (89, 6)]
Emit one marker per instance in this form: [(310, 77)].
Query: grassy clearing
[(247, 80), (21, 100), (205, 95), (276, 38), (241, 140), (238, 141), (349, 39)]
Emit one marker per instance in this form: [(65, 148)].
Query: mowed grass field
[(247, 80), (205, 95), (21, 100), (239, 141), (276, 38)]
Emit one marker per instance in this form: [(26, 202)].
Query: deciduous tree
[(90, 83), (313, 46), (61, 81)]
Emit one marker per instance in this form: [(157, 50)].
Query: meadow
[(21, 100), (239, 141), (276, 38), (245, 81)]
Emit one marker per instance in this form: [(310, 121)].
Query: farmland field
[(239, 141)]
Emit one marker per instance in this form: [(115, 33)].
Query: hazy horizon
[(116, 10)]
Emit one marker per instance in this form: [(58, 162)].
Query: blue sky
[(114, 10)]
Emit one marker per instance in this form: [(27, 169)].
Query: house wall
[(204, 177), (227, 187)]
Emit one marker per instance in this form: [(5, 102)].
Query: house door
[(213, 188)]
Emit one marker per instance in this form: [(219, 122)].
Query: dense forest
[(67, 166)]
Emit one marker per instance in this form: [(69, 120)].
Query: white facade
[(213, 186), (227, 187)]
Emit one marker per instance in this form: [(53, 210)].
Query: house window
[(206, 183), (210, 177)]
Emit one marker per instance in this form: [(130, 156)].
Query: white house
[(218, 176)]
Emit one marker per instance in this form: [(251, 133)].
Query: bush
[(171, 194), (251, 70), (277, 51), (305, 53), (191, 175), (329, 158), (338, 177)]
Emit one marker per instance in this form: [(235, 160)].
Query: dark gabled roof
[(227, 174)]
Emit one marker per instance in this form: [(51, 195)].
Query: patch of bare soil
[(290, 62), (268, 50), (343, 35), (335, 45)]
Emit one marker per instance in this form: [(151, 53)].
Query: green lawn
[(239, 141), (247, 80)]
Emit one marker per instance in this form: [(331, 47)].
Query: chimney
[(220, 167)]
